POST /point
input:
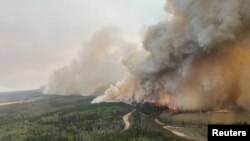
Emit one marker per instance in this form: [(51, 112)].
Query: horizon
[(38, 37)]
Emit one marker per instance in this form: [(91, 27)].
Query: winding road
[(172, 129), (126, 120), (152, 122)]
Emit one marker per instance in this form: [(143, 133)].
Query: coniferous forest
[(71, 118)]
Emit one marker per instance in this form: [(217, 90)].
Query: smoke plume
[(197, 58), (97, 65)]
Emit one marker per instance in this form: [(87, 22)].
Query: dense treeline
[(70, 119)]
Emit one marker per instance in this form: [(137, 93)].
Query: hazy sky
[(39, 36)]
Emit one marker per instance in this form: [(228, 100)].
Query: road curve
[(126, 120), (172, 129)]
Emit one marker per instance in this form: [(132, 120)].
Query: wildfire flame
[(173, 108), (222, 111), (162, 102)]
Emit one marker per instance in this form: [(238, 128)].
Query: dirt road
[(126, 120)]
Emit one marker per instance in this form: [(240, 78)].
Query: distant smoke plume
[(97, 65), (198, 58)]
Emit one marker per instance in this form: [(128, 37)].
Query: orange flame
[(173, 108), (222, 111)]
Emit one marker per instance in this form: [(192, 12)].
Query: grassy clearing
[(194, 125), (206, 118)]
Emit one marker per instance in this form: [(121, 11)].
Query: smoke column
[(97, 66), (197, 58)]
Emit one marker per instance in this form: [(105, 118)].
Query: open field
[(193, 125), (184, 125), (206, 118)]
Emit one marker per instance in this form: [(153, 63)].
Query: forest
[(71, 118)]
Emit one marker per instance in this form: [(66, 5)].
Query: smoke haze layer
[(198, 58)]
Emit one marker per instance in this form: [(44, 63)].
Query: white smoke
[(188, 54), (197, 58), (97, 65)]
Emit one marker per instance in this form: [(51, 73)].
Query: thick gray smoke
[(198, 58), (97, 66)]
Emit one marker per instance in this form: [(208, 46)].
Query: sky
[(39, 36)]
